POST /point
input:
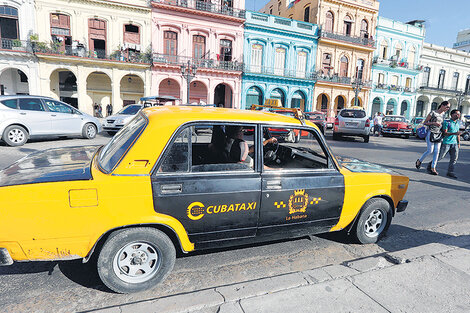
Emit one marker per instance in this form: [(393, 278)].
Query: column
[(83, 105), (116, 100)]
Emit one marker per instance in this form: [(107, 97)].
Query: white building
[(445, 76), (18, 66)]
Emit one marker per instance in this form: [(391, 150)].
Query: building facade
[(345, 47), (198, 50), (279, 58), (18, 66), (93, 52), (445, 76), (395, 67), (463, 41)]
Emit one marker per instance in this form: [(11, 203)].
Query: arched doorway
[(359, 101), (198, 93), (404, 109), (132, 89), (376, 105), (254, 95), (298, 100), (390, 109), (421, 106), (223, 96), (169, 87), (278, 94), (339, 104), (465, 110), (435, 103), (98, 88), (322, 103), (64, 84), (14, 82)]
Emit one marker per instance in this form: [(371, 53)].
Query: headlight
[(120, 121)]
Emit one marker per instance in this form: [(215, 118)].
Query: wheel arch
[(18, 124)]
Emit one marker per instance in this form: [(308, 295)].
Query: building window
[(394, 81), (381, 79), (8, 22), (199, 47), (347, 26), (329, 22), (426, 75), (279, 61), (411, 57), (256, 58), (326, 63), (455, 80), (60, 30), (359, 69), (301, 64), (408, 82), (225, 50), (132, 34), (97, 36), (170, 43), (442, 76), (364, 29), (467, 85), (307, 14), (384, 49), (344, 64), (398, 49), (227, 3), (279, 4)]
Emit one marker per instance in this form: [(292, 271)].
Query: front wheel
[(373, 221), (135, 259), (366, 139), (466, 136), (15, 135), (89, 131)]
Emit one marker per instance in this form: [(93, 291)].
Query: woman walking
[(434, 136)]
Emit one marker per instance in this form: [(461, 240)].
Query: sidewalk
[(429, 278)]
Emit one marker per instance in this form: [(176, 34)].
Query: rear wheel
[(373, 221), (466, 136), (135, 259), (89, 131), (15, 135), (366, 138)]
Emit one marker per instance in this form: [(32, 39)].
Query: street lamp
[(189, 72), (460, 95), (357, 86)]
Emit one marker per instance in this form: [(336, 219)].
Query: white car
[(23, 117), (112, 124)]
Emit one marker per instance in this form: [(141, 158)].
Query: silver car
[(24, 117), (352, 122), (112, 124)]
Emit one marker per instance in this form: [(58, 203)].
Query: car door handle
[(171, 189), (23, 113), (274, 184), (53, 115)]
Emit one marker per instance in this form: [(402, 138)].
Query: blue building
[(279, 58), (395, 67)]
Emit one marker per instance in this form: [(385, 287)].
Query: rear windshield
[(353, 113), (114, 151), (315, 117), (130, 110), (394, 119)]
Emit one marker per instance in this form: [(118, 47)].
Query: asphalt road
[(72, 286)]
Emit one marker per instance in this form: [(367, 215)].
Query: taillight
[(368, 123), (337, 121)]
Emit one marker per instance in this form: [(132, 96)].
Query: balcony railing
[(333, 78), (203, 63), (442, 89), (393, 63), (352, 39), (281, 72), (205, 6), (394, 88), (15, 45)]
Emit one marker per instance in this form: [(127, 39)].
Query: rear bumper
[(351, 131), (402, 205), (5, 258)]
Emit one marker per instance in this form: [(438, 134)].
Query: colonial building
[(197, 50), (279, 61), (445, 76), (18, 66), (345, 46), (395, 67), (93, 51)]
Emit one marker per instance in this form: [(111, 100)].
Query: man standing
[(451, 142), (109, 109), (378, 123)]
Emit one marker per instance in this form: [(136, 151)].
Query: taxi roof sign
[(298, 113)]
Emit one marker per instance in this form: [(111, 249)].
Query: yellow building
[(93, 52), (345, 46)]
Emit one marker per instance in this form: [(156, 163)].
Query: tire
[(336, 136), (466, 137), (407, 136), (374, 220), (89, 131), (111, 133), (152, 250), (15, 136), (366, 139)]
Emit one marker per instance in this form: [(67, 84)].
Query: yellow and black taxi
[(160, 186)]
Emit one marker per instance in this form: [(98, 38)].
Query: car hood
[(53, 165), (396, 124), (358, 166)]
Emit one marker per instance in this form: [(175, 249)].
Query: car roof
[(23, 96)]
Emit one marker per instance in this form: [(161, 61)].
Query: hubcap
[(16, 135), (375, 223), (136, 262), (91, 131)]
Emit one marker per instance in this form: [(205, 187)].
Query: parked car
[(415, 122), (112, 124), (23, 117), (396, 125), (318, 118), (352, 122), (130, 205)]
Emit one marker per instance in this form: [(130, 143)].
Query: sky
[(444, 19)]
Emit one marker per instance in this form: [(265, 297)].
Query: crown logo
[(298, 201), (299, 192)]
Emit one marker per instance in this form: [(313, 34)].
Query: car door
[(33, 114), (214, 199), (302, 190), (63, 119)]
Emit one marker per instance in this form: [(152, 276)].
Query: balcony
[(393, 63), (202, 6), (15, 45), (441, 89), (394, 88), (367, 42), (283, 72), (200, 63)]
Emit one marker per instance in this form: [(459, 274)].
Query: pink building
[(207, 36)]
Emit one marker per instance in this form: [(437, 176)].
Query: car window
[(31, 104), (114, 151), (211, 148), (353, 113), (130, 110), (394, 119), (315, 117), (293, 149), (55, 106), (12, 103)]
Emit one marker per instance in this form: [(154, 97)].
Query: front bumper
[(402, 205), (112, 128), (5, 258), (397, 131)]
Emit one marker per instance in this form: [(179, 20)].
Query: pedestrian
[(451, 142), (109, 109), (434, 122), (378, 123), (100, 111), (95, 110)]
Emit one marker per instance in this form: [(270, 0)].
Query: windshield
[(316, 117), (353, 113), (394, 119), (130, 110), (114, 151)]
